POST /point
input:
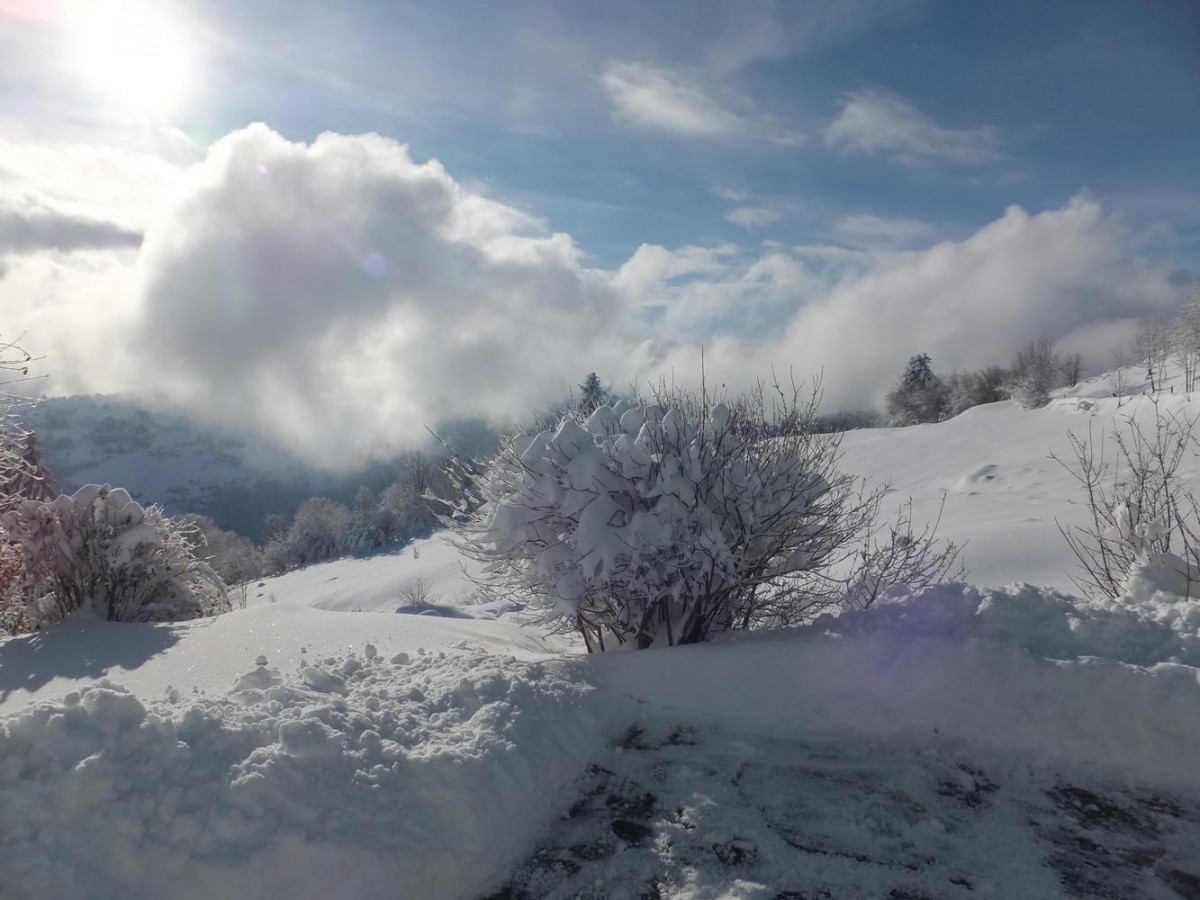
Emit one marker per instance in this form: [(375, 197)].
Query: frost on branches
[(1145, 516), (98, 549), (663, 520)]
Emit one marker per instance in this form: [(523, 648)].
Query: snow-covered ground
[(349, 735)]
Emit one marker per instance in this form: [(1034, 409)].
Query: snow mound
[(971, 482), (1044, 622), (354, 777), (1019, 671)]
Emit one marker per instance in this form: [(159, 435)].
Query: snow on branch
[(665, 519)]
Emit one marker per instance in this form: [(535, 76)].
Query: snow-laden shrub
[(98, 549), (662, 520), (231, 555)]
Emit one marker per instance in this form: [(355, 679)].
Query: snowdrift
[(373, 771), (1017, 670), (355, 776)]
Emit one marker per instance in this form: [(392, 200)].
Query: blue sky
[(776, 163), (1095, 95)]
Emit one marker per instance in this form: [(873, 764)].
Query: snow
[(953, 664), (370, 782), (378, 583), (1004, 495), (988, 739)]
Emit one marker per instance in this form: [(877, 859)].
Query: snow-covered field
[(368, 728)]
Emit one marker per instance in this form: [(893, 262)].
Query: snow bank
[(1044, 622), (1016, 669), (423, 775), (207, 655)]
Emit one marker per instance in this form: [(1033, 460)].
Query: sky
[(332, 224)]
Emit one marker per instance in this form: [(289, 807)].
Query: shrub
[(98, 549), (663, 520), (231, 555), (1142, 512), (1034, 373)]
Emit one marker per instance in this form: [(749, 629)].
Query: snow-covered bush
[(1036, 371), (663, 520), (970, 389), (98, 549), (1144, 519), (231, 555), (317, 533)]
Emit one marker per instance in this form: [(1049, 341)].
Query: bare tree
[(1185, 337), (1117, 377), (1151, 346), (1071, 368)]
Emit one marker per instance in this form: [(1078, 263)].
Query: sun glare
[(131, 53)]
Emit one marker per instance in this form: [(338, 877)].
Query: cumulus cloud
[(338, 295), (880, 123), (1067, 274), (659, 99), (342, 287)]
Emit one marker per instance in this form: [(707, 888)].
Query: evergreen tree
[(920, 396), (592, 394), (919, 373)]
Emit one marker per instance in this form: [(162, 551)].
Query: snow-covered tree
[(1185, 339), (591, 394), (22, 472), (1152, 346), (231, 555), (919, 397), (317, 533), (1070, 367), (1036, 371), (968, 389), (663, 520), (98, 549)]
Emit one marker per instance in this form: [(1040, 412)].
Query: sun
[(130, 53)]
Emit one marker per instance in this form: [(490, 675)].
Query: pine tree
[(920, 396), (592, 394)]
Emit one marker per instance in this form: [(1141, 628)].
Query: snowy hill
[(369, 728)]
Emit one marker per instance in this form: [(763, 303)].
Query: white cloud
[(1067, 273), (77, 197), (753, 216), (879, 123), (870, 230), (730, 194), (659, 99), (87, 182), (338, 295)]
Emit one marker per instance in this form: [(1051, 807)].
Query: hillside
[(338, 739), (167, 459)]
